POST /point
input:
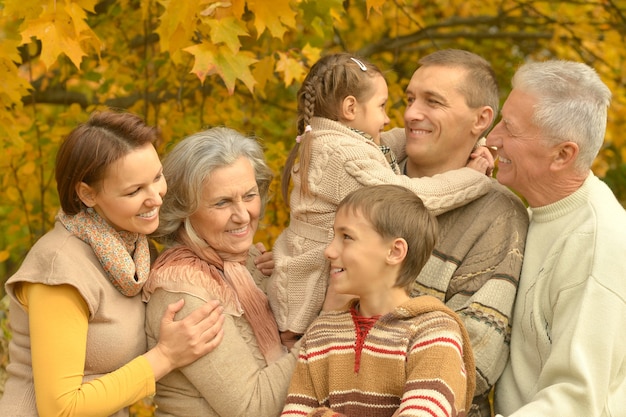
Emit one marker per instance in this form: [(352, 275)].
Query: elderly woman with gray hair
[(218, 185)]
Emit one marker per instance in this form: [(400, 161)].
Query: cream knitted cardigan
[(342, 161)]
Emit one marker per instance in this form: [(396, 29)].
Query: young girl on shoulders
[(341, 113)]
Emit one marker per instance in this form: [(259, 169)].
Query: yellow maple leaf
[(204, 59), (22, 8), (56, 36), (227, 30), (177, 24), (12, 86), (377, 5), (89, 5), (87, 37), (211, 59), (8, 50), (276, 16), (78, 17), (292, 69), (232, 66), (262, 72), (61, 31), (311, 53)]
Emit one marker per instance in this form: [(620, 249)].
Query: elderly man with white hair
[(568, 344)]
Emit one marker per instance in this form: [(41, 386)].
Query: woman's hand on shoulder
[(183, 341)]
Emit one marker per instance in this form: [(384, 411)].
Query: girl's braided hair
[(331, 79)]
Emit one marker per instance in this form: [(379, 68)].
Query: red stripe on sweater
[(428, 398), (440, 340), (326, 351), (385, 351), (294, 413), (428, 410)]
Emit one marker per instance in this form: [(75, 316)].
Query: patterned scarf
[(390, 156), (124, 256), (253, 301)]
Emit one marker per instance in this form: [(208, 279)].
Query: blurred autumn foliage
[(188, 65)]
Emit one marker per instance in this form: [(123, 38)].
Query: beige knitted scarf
[(230, 268)]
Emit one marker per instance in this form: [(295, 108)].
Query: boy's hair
[(331, 79), (396, 212)]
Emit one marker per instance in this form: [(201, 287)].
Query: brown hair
[(480, 87), (331, 79), (92, 146), (397, 212)]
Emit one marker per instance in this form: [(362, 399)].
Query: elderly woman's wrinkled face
[(229, 211)]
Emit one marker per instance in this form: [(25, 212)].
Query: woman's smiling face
[(228, 215), (131, 193)]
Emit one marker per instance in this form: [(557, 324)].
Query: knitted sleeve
[(58, 326), (440, 193), (487, 310), (436, 374), (481, 255), (301, 398)]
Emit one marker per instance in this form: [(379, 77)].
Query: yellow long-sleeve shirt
[(58, 321), (76, 341)]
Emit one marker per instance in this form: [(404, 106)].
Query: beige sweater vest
[(116, 323)]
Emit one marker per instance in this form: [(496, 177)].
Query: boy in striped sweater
[(386, 354)]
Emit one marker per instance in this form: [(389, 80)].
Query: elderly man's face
[(523, 158)]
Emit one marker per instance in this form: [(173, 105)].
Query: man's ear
[(86, 194), (397, 251), (348, 108), (484, 117), (565, 154)]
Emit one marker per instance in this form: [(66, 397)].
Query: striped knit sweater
[(414, 361), (475, 269)]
